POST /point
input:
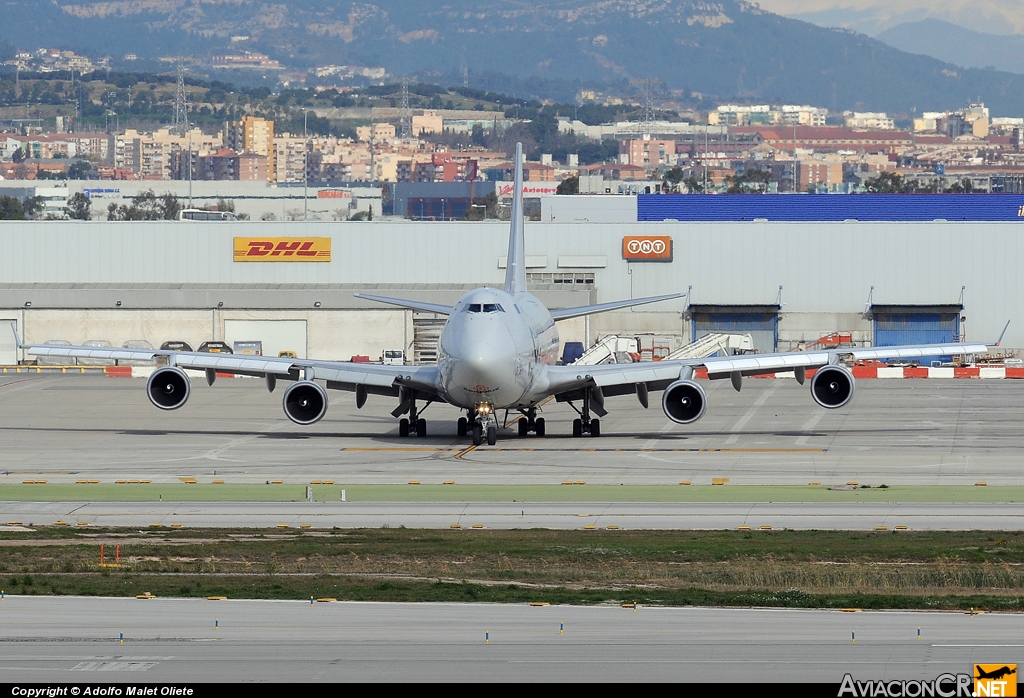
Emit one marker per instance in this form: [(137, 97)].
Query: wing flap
[(91, 352), (764, 363), (911, 352)]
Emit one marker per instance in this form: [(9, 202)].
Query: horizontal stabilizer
[(413, 305), (567, 313)]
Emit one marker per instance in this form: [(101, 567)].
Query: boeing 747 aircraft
[(498, 352)]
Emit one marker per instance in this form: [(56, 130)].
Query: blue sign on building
[(832, 207)]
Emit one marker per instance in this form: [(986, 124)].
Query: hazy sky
[(872, 16)]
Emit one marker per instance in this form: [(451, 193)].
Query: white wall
[(823, 267)]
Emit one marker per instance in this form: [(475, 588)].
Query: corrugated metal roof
[(832, 207)]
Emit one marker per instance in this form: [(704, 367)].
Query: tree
[(569, 185), (78, 169), (11, 209), (483, 207), (693, 185), (750, 182), (78, 207), (673, 178), (33, 205), (964, 186), (886, 183), (18, 156), (146, 206)]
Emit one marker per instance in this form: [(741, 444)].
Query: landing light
[(483, 409)]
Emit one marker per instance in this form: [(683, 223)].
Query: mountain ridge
[(730, 49)]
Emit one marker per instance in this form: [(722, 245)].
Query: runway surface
[(75, 640), (558, 515), (898, 432)]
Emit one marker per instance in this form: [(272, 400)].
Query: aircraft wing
[(658, 374), (412, 305), (566, 313), (342, 375)]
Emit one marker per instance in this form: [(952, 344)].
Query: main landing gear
[(414, 424), (584, 424), (531, 422)]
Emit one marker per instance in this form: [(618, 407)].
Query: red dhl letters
[(282, 249)]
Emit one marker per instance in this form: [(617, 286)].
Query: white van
[(393, 357)]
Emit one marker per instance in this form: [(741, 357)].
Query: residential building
[(252, 134)]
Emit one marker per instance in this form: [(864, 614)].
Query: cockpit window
[(473, 308), (493, 308)]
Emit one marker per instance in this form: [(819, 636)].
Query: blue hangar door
[(761, 322), (917, 324)]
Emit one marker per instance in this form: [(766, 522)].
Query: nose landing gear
[(482, 424)]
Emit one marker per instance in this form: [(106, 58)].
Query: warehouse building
[(787, 284)]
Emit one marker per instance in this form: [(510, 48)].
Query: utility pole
[(190, 168), (373, 164), (180, 104), (305, 165), (404, 113)]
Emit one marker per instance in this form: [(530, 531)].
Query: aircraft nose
[(481, 359)]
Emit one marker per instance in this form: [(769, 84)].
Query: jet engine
[(168, 388), (684, 402), (305, 402), (832, 386)]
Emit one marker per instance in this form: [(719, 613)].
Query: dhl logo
[(282, 249)]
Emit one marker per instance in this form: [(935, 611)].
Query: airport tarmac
[(76, 640), (915, 516), (897, 432)]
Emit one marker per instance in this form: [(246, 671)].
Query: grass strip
[(805, 569), (179, 492), (301, 588)]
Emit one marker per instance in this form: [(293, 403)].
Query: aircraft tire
[(524, 427), (492, 435), (421, 427), (539, 426), (478, 434), (463, 426), (577, 427), (595, 427), (403, 427)]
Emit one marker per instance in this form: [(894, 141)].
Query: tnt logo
[(995, 680), (300, 248), (647, 248)]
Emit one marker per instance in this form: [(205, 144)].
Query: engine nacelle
[(168, 388), (832, 386), (684, 402), (305, 402)]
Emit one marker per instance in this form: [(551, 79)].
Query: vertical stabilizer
[(515, 273)]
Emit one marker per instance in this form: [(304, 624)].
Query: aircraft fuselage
[(494, 350)]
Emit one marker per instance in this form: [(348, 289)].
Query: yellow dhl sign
[(282, 250)]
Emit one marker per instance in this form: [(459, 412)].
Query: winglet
[(1000, 340), (17, 339), (515, 273)]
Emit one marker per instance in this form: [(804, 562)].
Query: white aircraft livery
[(498, 352)]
